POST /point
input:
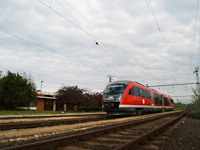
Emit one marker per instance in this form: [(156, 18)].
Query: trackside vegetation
[(26, 112), (16, 91), (83, 98), (193, 107)]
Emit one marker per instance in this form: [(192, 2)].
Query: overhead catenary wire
[(199, 49), (184, 96), (193, 38), (78, 24), (51, 49), (42, 44), (171, 84), (115, 43), (163, 38), (101, 45), (70, 69), (45, 76), (67, 11), (85, 32), (99, 42), (137, 64)]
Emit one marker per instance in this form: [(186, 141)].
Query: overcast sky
[(81, 42)]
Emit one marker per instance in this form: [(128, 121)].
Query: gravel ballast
[(185, 137)]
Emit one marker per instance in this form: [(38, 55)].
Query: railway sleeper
[(66, 140)]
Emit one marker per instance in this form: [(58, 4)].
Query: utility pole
[(110, 78), (41, 86), (197, 76)]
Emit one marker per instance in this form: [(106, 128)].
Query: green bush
[(195, 107), (179, 105), (46, 123)]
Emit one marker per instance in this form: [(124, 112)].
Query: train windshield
[(115, 88)]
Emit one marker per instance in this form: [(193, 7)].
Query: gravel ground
[(22, 136), (2, 121), (185, 137)]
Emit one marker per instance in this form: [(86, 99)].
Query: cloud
[(57, 44)]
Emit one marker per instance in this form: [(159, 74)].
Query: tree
[(93, 100), (71, 95), (16, 91), (196, 103)]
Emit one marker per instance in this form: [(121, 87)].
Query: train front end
[(112, 96)]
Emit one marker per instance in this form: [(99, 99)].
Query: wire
[(67, 12), (115, 43), (193, 37), (28, 42), (155, 19), (136, 62), (183, 96), (199, 49), (125, 59), (172, 84)]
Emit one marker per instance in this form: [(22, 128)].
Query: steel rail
[(46, 116), (62, 141), (135, 142), (34, 124)]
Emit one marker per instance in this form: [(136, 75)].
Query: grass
[(35, 112), (26, 112), (46, 123)]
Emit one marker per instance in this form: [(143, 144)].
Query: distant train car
[(127, 98)]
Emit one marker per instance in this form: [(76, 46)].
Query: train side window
[(147, 94), (172, 101), (158, 99), (142, 92), (137, 91)]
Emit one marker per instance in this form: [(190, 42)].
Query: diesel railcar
[(127, 98)]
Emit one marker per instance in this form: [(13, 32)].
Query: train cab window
[(115, 88), (172, 101)]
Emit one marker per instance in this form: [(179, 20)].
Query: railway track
[(49, 116), (116, 137), (34, 124)]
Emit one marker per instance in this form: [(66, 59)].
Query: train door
[(152, 99)]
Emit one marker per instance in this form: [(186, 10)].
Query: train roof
[(126, 82), (121, 81)]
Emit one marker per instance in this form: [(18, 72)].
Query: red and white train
[(127, 98)]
